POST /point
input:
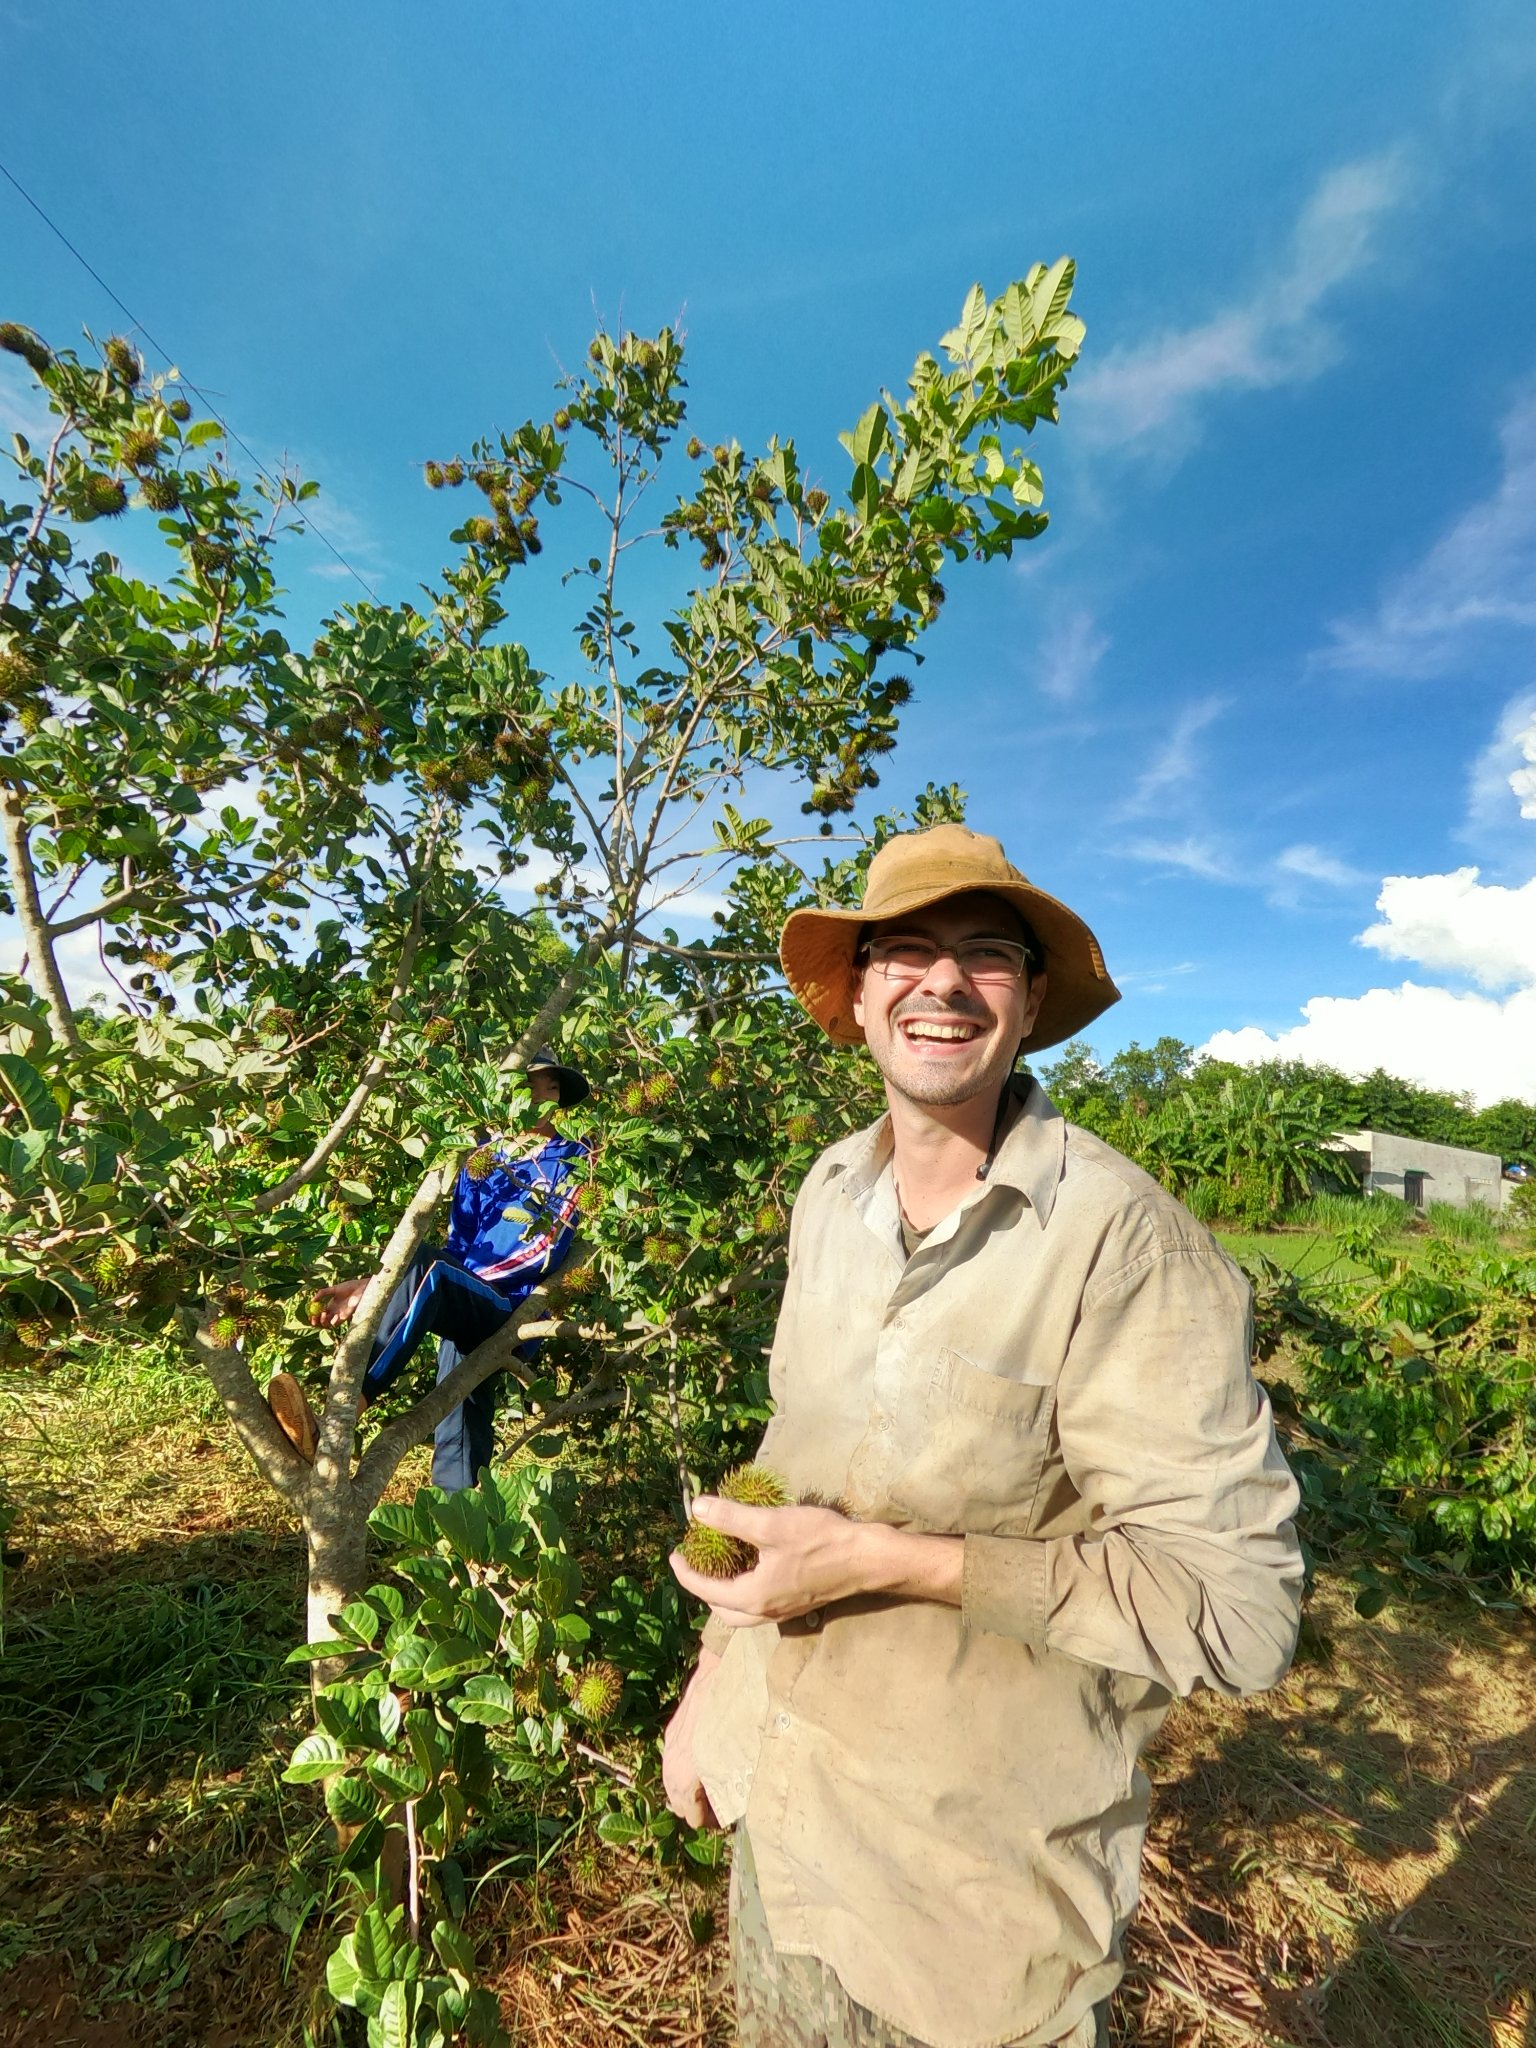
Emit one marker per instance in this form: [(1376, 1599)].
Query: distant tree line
[(1142, 1079)]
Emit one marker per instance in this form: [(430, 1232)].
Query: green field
[(1311, 1253)]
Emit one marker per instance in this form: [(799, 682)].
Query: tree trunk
[(336, 1533)]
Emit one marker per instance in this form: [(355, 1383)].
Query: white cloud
[(1460, 925), (1270, 338), (79, 961), (1430, 1035), (1191, 856), (1482, 1044), (1071, 651), (1506, 767), (1481, 572), (1313, 865), (1176, 761)]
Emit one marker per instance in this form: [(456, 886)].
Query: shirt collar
[(1030, 1158)]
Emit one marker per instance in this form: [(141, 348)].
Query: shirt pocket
[(977, 1445)]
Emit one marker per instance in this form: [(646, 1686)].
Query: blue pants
[(440, 1297)]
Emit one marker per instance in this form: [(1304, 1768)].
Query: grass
[(1312, 1254), (1348, 1862)]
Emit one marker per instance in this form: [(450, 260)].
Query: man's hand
[(809, 1557), (336, 1303), (680, 1780)]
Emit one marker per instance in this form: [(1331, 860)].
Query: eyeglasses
[(907, 956)]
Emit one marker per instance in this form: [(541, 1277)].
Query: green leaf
[(317, 1756), (342, 1976), (619, 1830), (455, 1948), (394, 1778), (359, 1621), (350, 1802), (376, 1940), (312, 1653), (450, 1659), (488, 1700), (29, 1091), (462, 1518), (395, 2025), (869, 436), (410, 1656)]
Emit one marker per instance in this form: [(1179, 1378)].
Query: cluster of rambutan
[(718, 1556)]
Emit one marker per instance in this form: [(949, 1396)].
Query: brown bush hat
[(919, 868)]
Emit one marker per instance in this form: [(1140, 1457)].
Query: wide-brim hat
[(574, 1086), (917, 869)]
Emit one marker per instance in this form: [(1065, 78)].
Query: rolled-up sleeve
[(1190, 1572)]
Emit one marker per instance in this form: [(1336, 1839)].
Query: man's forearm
[(902, 1561)]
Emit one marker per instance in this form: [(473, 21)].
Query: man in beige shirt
[(1025, 1370)]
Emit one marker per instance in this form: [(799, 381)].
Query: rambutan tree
[(289, 866)]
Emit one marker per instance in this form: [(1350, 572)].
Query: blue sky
[(1275, 660)]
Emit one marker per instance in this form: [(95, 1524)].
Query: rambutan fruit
[(813, 1497), (754, 1486), (20, 341), (595, 1693), (20, 676), (434, 476), (123, 360), (111, 1269), (714, 1554), (161, 493), (210, 557), (105, 496), (142, 449), (480, 1162), (179, 410)]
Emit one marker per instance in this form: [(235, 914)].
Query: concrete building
[(1419, 1173)]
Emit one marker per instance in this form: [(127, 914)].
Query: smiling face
[(943, 1038)]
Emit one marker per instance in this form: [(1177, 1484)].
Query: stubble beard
[(933, 1083)]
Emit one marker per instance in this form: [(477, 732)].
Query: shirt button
[(782, 1724), (812, 1618)]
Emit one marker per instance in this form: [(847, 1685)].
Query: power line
[(128, 313)]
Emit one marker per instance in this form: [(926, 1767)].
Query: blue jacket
[(513, 1226)]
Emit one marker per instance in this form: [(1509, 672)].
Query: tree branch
[(29, 910), (338, 1426), (270, 1451), (701, 952), (562, 995), (378, 1463), (372, 1074)]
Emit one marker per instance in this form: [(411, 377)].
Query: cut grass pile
[(1349, 1862)]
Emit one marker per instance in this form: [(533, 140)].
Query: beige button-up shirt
[(945, 1804)]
